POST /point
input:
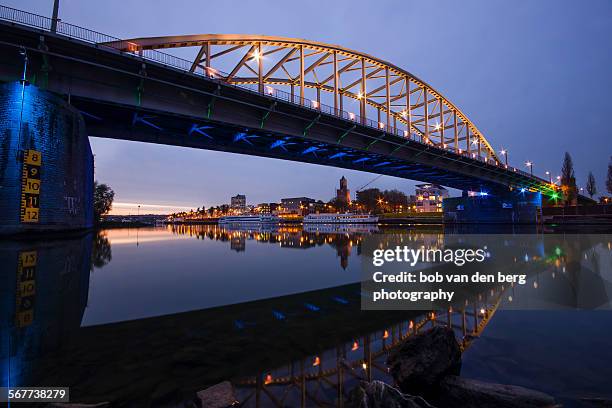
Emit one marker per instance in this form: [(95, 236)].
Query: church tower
[(343, 194)]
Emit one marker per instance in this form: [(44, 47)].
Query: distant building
[(263, 208), (296, 205), (267, 208), (343, 195), (317, 207), (429, 197), (238, 202)]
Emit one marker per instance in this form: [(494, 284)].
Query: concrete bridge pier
[(46, 164), (498, 207)]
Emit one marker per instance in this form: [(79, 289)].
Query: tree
[(567, 171), (369, 198), (609, 179), (101, 253), (395, 198), (338, 205), (102, 200), (568, 179), (591, 188)]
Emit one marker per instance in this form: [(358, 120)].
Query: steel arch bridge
[(276, 97), (401, 102)]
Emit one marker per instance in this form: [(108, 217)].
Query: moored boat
[(345, 218), (249, 219)]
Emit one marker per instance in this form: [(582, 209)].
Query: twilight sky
[(534, 76)]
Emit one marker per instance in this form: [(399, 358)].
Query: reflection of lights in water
[(535, 285), (553, 275), (563, 270)]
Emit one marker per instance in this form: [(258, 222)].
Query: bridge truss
[(334, 79)]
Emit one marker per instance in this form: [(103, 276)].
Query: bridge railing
[(104, 40)]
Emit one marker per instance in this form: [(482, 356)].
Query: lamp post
[(54, 18), (530, 165), (549, 176), (504, 152)]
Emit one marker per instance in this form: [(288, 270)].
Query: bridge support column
[(46, 164), (507, 207)]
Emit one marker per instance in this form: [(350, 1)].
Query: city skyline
[(512, 83), (122, 208)]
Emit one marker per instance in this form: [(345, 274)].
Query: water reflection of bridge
[(301, 350), (326, 378)]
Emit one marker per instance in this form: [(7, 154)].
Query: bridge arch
[(397, 100)]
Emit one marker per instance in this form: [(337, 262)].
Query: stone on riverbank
[(597, 402), (377, 394), (423, 360), (218, 396), (467, 393)]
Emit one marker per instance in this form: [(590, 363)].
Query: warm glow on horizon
[(122, 208)]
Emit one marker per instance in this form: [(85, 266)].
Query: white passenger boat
[(346, 218), (249, 219), (341, 228)]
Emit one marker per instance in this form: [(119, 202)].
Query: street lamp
[(54, 17), (504, 152), (549, 176), (530, 165)]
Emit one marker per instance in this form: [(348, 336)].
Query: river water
[(148, 316)]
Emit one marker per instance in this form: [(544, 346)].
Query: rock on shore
[(428, 365), (422, 361), (218, 396), (377, 394), (463, 392)]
